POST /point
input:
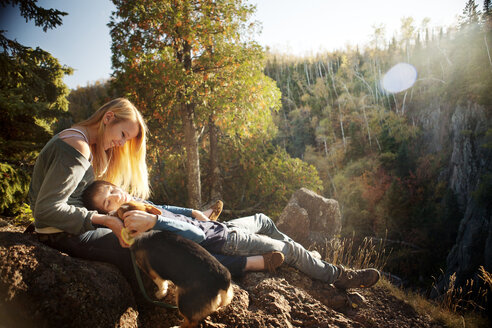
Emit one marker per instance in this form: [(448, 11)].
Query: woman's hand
[(137, 222), (199, 215), (113, 223)]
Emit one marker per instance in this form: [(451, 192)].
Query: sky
[(299, 27)]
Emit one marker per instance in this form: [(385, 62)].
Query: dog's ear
[(152, 209)]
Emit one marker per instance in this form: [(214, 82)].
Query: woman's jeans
[(102, 245), (255, 235)]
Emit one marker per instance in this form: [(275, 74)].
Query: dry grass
[(458, 308), (368, 255), (467, 298), (436, 310)]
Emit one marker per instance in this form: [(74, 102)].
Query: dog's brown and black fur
[(203, 283)]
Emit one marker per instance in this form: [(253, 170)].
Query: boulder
[(294, 221), (41, 287), (310, 218)]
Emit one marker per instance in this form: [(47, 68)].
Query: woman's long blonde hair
[(123, 166)]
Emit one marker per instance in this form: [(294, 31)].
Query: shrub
[(14, 184)]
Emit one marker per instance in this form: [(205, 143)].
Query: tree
[(487, 14), (32, 97), (471, 14), (83, 101), (487, 7), (378, 36), (183, 63)]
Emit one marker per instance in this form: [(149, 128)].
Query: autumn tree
[(188, 65)]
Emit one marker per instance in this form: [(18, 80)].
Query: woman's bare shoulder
[(81, 145)]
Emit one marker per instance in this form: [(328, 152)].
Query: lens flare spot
[(400, 77)]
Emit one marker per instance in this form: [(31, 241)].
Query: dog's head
[(136, 205), (131, 206)]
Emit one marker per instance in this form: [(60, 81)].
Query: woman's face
[(116, 134)]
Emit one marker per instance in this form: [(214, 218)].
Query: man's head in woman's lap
[(104, 196)]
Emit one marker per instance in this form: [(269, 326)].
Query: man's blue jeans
[(257, 234)]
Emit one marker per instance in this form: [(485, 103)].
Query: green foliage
[(24, 216), (186, 64), (32, 100), (257, 177), (368, 145), (46, 18), (32, 93), (14, 184), (84, 101)]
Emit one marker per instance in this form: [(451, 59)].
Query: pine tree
[(471, 14), (487, 14), (32, 92), (32, 99)]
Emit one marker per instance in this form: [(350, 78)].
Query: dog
[(203, 284)]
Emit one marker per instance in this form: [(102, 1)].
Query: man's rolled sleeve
[(181, 228)]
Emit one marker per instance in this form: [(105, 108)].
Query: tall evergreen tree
[(32, 98), (487, 14), (471, 14)]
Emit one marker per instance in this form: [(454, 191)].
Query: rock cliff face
[(464, 128)]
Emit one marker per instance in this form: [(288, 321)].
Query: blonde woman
[(110, 145)]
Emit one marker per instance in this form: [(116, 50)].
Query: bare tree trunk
[(187, 113), (487, 47), (340, 117), (367, 125), (215, 176), (192, 158), (307, 74)]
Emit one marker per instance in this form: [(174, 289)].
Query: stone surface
[(323, 221), (294, 222), (41, 287), (470, 160)]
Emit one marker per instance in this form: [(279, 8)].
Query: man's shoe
[(216, 210), (273, 260), (350, 278)]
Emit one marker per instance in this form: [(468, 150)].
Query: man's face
[(110, 198)]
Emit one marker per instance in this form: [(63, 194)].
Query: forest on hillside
[(370, 147), (258, 125)]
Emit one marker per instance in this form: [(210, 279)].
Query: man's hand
[(137, 222)]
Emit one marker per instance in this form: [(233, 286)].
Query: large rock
[(41, 287), (310, 218)]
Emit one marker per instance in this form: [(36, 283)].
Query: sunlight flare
[(399, 78)]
